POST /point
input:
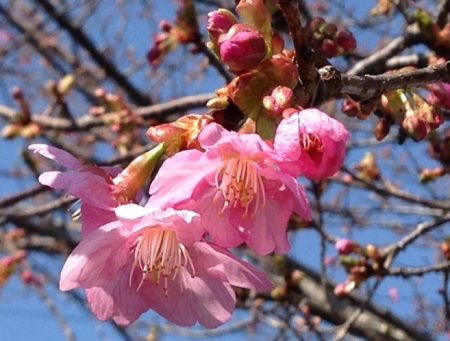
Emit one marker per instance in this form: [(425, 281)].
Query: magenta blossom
[(154, 259), (236, 186), (313, 141), (93, 185)]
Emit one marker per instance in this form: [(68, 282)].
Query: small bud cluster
[(416, 116), (366, 262), (183, 31), (331, 39)]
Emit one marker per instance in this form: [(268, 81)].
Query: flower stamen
[(240, 183), (159, 254), (311, 142)]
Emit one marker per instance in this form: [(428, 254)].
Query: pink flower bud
[(346, 246), (219, 22), (279, 100), (242, 48), (350, 107), (416, 127)]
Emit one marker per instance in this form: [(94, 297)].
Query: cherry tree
[(274, 168)]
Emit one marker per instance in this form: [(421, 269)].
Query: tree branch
[(81, 37), (374, 322), (159, 112)]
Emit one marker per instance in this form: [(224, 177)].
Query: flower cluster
[(171, 254), (216, 189)]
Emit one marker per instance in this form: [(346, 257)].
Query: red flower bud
[(330, 47), (346, 40)]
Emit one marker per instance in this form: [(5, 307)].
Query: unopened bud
[(330, 47), (381, 128), (132, 178), (279, 100), (416, 127), (346, 246), (346, 40), (242, 48), (219, 22), (431, 174)]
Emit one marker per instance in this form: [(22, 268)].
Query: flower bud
[(181, 134), (132, 178), (381, 128), (219, 22), (367, 168), (346, 246), (416, 127), (279, 100), (430, 174), (328, 30), (330, 47), (242, 48), (281, 70), (346, 40)]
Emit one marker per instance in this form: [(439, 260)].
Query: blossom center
[(311, 142), (159, 255), (240, 183)]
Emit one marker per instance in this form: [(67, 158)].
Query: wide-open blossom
[(236, 186), (313, 141), (155, 259), (93, 185)]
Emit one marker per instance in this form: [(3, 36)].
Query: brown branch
[(15, 198), (392, 250), (303, 53), (82, 38), (374, 322), (443, 11), (410, 272), (85, 79), (370, 64), (156, 111), (368, 86), (334, 84), (213, 60), (394, 192)]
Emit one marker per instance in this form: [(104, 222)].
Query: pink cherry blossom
[(93, 185), (155, 259), (236, 186), (313, 141)]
